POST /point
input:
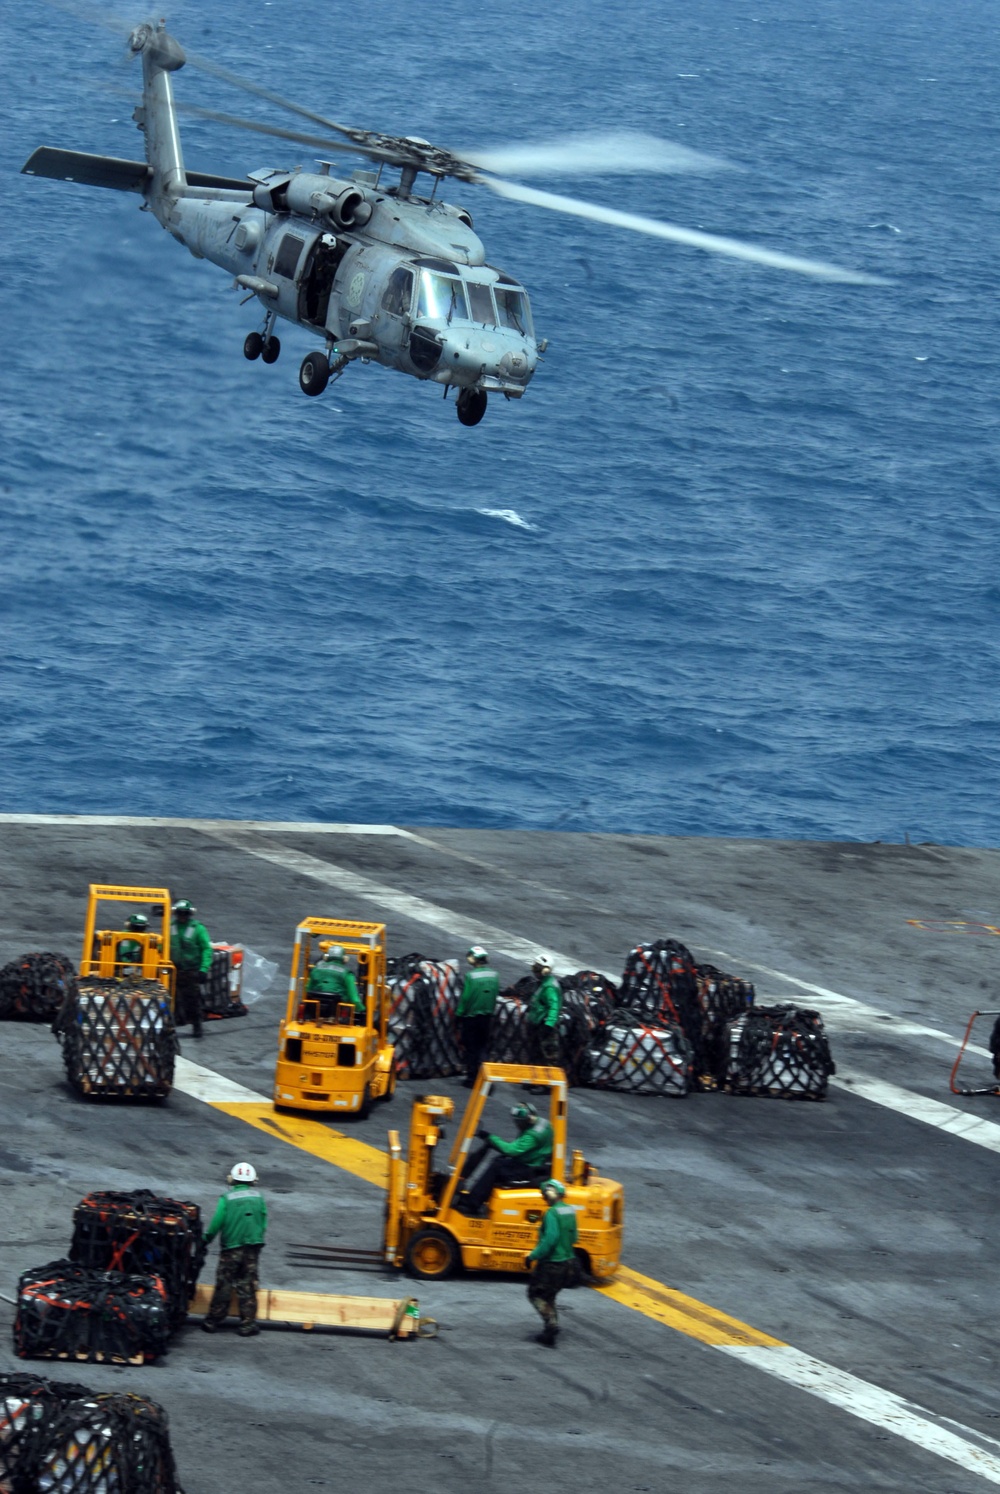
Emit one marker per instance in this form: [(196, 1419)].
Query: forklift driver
[(527, 1157), (332, 982), (128, 952)]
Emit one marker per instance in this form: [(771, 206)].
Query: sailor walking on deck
[(552, 1263), (241, 1217), (476, 1006)]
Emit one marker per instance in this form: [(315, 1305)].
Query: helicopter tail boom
[(157, 116)]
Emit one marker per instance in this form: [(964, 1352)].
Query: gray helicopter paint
[(251, 232)]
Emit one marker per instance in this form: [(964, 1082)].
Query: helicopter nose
[(469, 356)]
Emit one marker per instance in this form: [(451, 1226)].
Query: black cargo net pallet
[(65, 1311), (34, 987), (422, 1021), (218, 1000), (141, 1234), (118, 1039), (509, 1029), (61, 1438), (779, 1051), (638, 1057), (664, 987)]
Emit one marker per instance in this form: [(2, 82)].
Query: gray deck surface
[(860, 1236)]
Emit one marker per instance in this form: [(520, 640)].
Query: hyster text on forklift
[(425, 1231), (332, 1056)]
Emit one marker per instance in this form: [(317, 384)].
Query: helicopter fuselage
[(397, 281)]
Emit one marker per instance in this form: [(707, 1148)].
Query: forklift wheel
[(364, 1109), (432, 1255)]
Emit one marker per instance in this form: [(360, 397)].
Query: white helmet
[(477, 955), (542, 965), (243, 1172)]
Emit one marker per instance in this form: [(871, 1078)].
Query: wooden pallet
[(90, 1356), (393, 1317)]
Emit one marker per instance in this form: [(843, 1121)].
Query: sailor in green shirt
[(553, 1259), (191, 952), (241, 1218), (475, 1010), (333, 983), (128, 953), (529, 1154), (543, 1015)]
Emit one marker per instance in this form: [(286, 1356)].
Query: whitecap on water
[(509, 516)]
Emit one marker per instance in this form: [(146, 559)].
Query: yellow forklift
[(425, 1232), (332, 1057), (102, 951)]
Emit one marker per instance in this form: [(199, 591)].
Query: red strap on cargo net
[(664, 990), (118, 1254)]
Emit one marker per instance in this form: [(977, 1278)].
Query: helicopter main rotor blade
[(236, 80), (320, 142), (735, 248), (594, 155)]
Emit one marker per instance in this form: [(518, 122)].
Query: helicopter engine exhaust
[(343, 206)]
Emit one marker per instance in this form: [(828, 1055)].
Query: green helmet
[(554, 1186), (524, 1114), (138, 922), (184, 908), (334, 955), (477, 955)]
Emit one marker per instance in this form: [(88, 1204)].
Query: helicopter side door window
[(442, 297), (287, 258), (398, 293), (512, 306), (481, 303)]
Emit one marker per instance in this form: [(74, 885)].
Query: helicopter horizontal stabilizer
[(112, 171)]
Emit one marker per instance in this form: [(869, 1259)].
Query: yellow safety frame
[(359, 939), (100, 945)]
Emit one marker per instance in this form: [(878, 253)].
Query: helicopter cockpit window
[(440, 296), (481, 303), (398, 293), (512, 306), (287, 258)]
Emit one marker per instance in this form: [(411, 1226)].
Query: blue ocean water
[(730, 568)]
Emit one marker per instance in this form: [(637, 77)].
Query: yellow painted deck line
[(686, 1314), (955, 1443), (652, 1298), (331, 1146)]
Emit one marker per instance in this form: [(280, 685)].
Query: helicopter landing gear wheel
[(272, 348), (471, 406), (254, 346), (314, 374)]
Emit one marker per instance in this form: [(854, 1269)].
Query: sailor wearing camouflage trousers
[(241, 1216), (191, 952), (553, 1259)]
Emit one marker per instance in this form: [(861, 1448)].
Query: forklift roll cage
[(100, 946), (364, 940)]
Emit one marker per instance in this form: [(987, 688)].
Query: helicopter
[(375, 272)]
